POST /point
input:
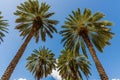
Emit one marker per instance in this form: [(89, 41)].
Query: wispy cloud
[(20, 79), (115, 79), (110, 79), (56, 75)]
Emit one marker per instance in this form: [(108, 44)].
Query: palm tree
[(41, 62), (3, 28), (89, 29), (34, 21), (71, 65)]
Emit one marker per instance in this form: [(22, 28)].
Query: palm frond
[(70, 65), (89, 24), (31, 15), (3, 27), (41, 63)]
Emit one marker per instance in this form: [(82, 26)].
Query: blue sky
[(109, 58)]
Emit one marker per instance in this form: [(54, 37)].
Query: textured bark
[(99, 66), (38, 79), (14, 62), (74, 74)]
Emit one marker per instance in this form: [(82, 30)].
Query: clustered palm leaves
[(34, 21), (79, 31), (35, 18), (89, 24), (89, 29), (71, 65), (3, 28), (41, 62)]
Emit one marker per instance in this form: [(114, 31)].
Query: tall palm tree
[(89, 29), (34, 21), (3, 28), (41, 63), (71, 65)]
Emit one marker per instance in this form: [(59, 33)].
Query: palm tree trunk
[(99, 66), (75, 76), (38, 79), (14, 62), (74, 73)]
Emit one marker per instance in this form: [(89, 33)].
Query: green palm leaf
[(87, 28), (32, 14), (71, 66), (41, 63), (89, 24), (3, 28), (34, 20)]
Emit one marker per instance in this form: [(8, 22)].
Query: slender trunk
[(38, 79), (99, 66), (14, 62), (74, 74)]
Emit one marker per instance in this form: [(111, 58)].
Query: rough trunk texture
[(99, 66), (74, 74), (14, 62)]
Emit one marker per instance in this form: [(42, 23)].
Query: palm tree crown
[(41, 62), (72, 65), (3, 28), (89, 29), (89, 24), (34, 21), (33, 15)]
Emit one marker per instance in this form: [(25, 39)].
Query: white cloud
[(115, 79), (20, 79), (56, 75)]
